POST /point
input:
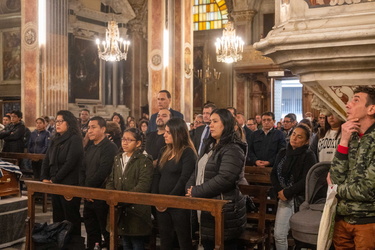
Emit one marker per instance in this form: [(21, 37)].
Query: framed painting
[(11, 56), (85, 85)]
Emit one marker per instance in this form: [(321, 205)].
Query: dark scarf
[(287, 163), (57, 144)]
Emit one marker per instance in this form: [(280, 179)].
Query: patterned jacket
[(355, 175)]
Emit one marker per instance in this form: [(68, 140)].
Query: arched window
[(209, 14)]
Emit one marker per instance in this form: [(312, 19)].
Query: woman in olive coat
[(132, 171)]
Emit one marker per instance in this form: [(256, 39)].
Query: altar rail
[(113, 197)]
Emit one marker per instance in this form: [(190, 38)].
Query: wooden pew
[(259, 189), (113, 197), (258, 237)]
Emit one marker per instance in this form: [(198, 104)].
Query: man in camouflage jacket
[(353, 170)]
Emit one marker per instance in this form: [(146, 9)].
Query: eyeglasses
[(59, 121), (127, 140), (250, 124), (287, 121)]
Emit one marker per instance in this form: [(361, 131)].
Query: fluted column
[(173, 73), (54, 79)]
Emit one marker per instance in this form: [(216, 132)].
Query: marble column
[(44, 65), (173, 73), (30, 54)]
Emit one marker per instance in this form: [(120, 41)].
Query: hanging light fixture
[(229, 47), (114, 48), (208, 75)]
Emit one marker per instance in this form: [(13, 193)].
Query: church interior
[(50, 60), (297, 56)]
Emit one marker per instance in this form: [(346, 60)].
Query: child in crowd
[(132, 171)]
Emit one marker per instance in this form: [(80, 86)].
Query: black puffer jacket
[(221, 177)]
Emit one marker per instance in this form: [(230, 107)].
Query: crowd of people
[(163, 156)]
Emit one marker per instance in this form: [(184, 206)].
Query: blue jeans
[(285, 210), (133, 242)]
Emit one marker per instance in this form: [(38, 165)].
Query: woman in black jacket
[(174, 168), (217, 175), (61, 165), (288, 178)]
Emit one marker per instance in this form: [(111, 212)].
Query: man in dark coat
[(266, 142), (164, 100), (13, 134), (97, 165), (155, 139), (203, 132)]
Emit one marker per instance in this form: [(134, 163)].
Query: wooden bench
[(259, 189), (113, 197), (16, 158)]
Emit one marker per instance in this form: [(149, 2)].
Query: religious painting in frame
[(11, 56), (85, 84)]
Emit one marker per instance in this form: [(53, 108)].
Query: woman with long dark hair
[(119, 119), (173, 170), (216, 177), (325, 143), (289, 178), (62, 164), (132, 171)]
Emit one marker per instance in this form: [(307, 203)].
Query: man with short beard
[(155, 139), (203, 132)]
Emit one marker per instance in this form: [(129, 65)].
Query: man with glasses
[(198, 121), (289, 122), (266, 142), (251, 124)]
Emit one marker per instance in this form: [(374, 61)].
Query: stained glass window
[(209, 14)]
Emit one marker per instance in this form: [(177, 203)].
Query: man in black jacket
[(13, 134), (97, 165), (265, 143)]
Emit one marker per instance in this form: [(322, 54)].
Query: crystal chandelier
[(113, 48), (229, 47)]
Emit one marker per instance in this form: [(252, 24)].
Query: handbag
[(327, 222)]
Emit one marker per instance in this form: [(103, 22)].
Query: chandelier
[(229, 47), (208, 75), (113, 48)]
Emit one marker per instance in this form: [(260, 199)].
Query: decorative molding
[(119, 6), (30, 36), (156, 62), (7, 6), (188, 60), (327, 3), (243, 16)]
